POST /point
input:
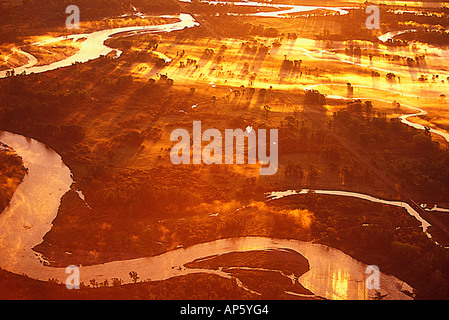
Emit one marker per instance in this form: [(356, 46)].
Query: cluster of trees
[(396, 43), (409, 153), (139, 192), (123, 81), (12, 173), (237, 27), (289, 65), (132, 138), (297, 171), (352, 27), (435, 78), (222, 9), (417, 61), (255, 48), (314, 97), (353, 51), (261, 30), (157, 6), (209, 52), (165, 80), (43, 13), (189, 62), (435, 17), (430, 175), (189, 287), (435, 37), (32, 108), (372, 127), (291, 36)]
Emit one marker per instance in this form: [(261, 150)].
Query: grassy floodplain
[(332, 89)]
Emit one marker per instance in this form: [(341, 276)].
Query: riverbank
[(156, 267), (372, 233), (12, 173), (188, 287), (96, 159)]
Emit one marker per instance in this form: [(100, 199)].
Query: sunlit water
[(93, 47), (333, 274), (33, 206), (424, 224)]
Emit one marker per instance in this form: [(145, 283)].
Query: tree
[(368, 107), (134, 276), (314, 97), (267, 109), (296, 113), (116, 282), (390, 76)]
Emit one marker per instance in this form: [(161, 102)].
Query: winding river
[(279, 10), (93, 47), (34, 206), (403, 118)]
